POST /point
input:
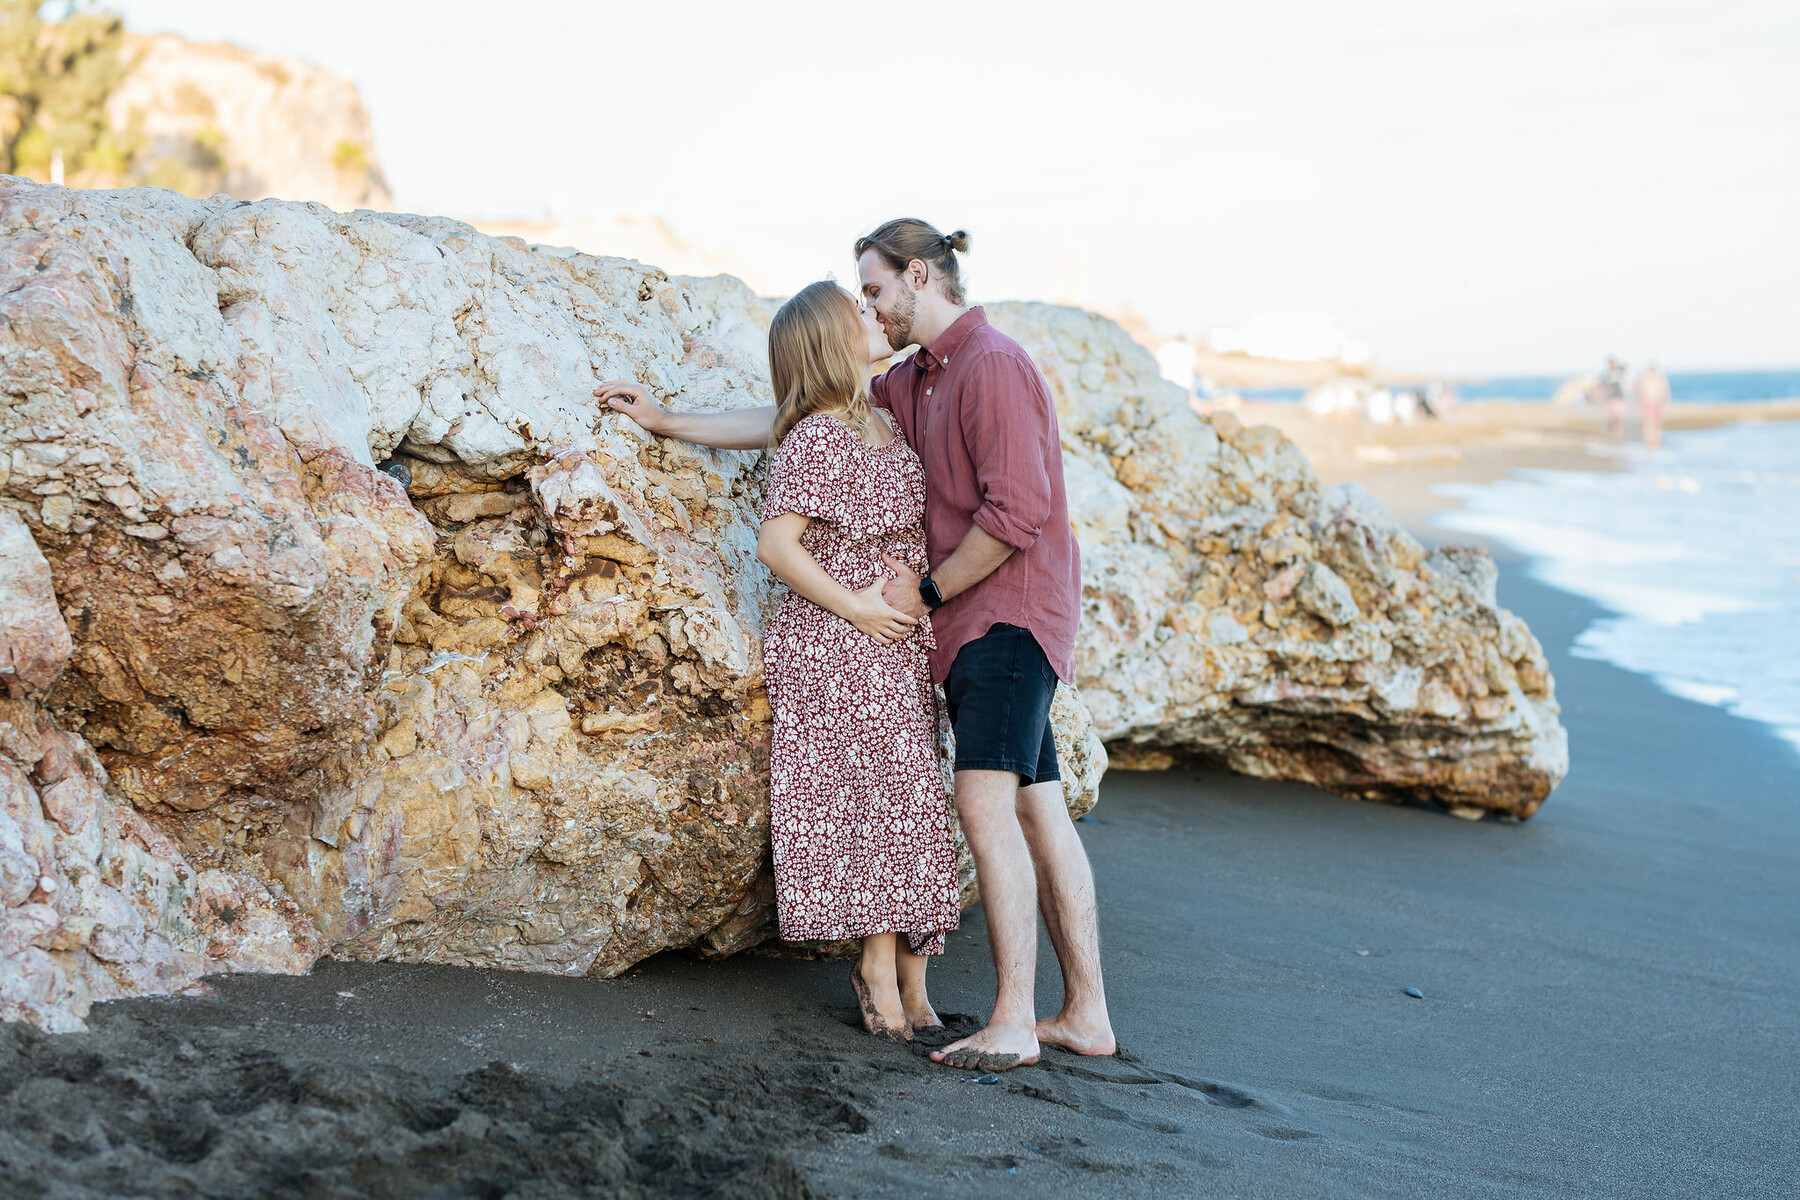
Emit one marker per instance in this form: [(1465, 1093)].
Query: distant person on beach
[(1612, 395), (859, 822), (1653, 400), (1003, 595)]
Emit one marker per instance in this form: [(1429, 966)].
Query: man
[(1612, 394), (1004, 593)]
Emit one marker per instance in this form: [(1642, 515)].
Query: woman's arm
[(778, 547), (740, 429)]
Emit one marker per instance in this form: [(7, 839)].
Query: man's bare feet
[(882, 1014), (1071, 1032), (996, 1048)]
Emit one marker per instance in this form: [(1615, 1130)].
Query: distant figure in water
[(1612, 395), (1652, 398)]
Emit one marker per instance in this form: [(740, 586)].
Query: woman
[(859, 821)]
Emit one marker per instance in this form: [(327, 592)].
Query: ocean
[(1692, 387), (1694, 548), (1689, 387)]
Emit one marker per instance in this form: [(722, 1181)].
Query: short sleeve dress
[(860, 822)]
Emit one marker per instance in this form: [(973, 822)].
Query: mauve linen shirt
[(978, 413)]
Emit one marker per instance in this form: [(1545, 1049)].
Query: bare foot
[(890, 1023), (996, 1048), (1092, 1037), (919, 1013)]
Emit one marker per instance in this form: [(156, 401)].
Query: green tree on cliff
[(54, 79)]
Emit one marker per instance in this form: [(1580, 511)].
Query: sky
[(1484, 187)]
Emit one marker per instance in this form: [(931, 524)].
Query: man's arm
[(978, 556), (740, 429), (1006, 425)]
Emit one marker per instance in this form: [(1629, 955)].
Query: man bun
[(908, 239)]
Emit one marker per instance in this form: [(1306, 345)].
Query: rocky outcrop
[(1234, 610), (208, 116), (373, 635), (370, 607)]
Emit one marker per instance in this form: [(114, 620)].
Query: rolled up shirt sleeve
[(1009, 425)]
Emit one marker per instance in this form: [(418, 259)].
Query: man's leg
[(987, 805), (1065, 889)]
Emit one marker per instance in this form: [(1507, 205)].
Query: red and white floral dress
[(860, 821)]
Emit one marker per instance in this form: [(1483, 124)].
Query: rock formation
[(1233, 610), (217, 117), (499, 702), (363, 631)]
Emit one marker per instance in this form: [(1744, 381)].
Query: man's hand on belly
[(902, 591)]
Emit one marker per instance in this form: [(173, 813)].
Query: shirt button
[(928, 391)]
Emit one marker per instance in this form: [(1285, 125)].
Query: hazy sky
[(1470, 187)]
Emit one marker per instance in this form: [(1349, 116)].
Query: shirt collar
[(946, 347)]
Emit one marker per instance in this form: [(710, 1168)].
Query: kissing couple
[(918, 518)]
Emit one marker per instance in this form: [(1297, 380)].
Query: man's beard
[(897, 322)]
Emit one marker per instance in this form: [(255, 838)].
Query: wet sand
[(1611, 1007)]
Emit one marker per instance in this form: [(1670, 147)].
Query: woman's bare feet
[(877, 992), (919, 1013), (996, 1048), (909, 969)]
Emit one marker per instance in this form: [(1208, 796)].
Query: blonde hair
[(818, 360), (905, 239)]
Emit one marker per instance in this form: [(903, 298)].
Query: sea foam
[(1696, 550)]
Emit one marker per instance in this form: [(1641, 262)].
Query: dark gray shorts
[(998, 696)]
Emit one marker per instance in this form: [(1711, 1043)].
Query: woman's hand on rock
[(876, 617), (633, 399)]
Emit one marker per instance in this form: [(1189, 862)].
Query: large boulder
[(1234, 610), (371, 608), (359, 628)]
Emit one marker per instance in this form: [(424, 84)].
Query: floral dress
[(860, 821)]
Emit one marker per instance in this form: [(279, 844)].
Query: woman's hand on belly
[(780, 548), (876, 617)]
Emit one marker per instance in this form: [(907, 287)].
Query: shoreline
[(1477, 443)]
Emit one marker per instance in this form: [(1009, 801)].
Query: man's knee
[(986, 796), (1041, 808)]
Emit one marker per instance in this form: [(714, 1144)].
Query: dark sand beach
[(1611, 1008)]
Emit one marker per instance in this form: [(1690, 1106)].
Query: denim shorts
[(998, 697)]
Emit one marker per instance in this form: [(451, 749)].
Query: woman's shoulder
[(821, 425), (819, 432)]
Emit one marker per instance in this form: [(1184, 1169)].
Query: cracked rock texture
[(390, 643), (98, 903), (1234, 610)]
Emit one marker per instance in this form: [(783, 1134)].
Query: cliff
[(211, 117)]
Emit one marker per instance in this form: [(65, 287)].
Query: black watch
[(928, 592)]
